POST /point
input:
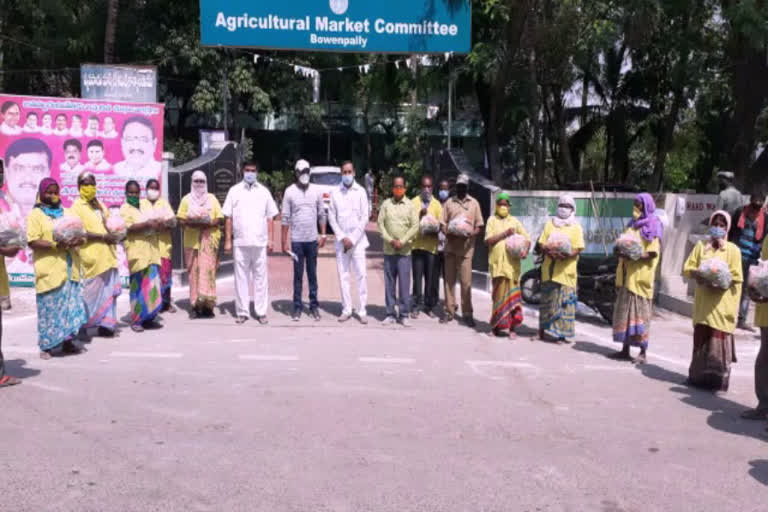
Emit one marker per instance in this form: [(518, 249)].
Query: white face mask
[(153, 194), (304, 179), (249, 177), (564, 212)]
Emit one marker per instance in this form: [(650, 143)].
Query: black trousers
[(426, 280)]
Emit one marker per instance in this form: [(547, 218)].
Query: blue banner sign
[(393, 26)]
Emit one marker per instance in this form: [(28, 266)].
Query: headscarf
[(52, 211), (726, 216), (649, 224), (566, 199), (502, 197), (199, 192), (85, 175)]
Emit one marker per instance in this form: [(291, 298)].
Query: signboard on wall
[(118, 83), (60, 138), (395, 26)]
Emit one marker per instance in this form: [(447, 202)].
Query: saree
[(146, 299), (99, 294), (507, 305), (557, 315), (713, 353), (166, 281), (632, 319), (60, 315), (201, 269)]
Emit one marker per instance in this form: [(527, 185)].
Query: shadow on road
[(759, 470), (17, 368), (725, 413)]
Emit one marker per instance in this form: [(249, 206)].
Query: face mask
[(304, 179), (53, 200), (153, 194), (347, 180), (249, 177), (461, 192), (502, 211), (636, 213), (88, 192), (398, 193), (443, 195), (717, 233), (426, 195), (564, 212), (133, 201)]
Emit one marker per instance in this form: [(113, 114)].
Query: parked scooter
[(596, 284)]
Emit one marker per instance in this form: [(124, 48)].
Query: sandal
[(8, 381), (641, 359), (45, 355), (754, 414), (137, 328), (620, 356), (70, 348)]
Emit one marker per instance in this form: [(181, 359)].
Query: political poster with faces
[(61, 138)]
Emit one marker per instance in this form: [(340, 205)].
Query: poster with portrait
[(62, 137)]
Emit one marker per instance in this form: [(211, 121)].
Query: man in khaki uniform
[(459, 249)]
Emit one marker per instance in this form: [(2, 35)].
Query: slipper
[(754, 414), (620, 356), (8, 381)]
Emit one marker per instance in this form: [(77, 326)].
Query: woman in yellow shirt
[(60, 307), (101, 280), (200, 214), (761, 362), (164, 243), (714, 310), (507, 311), (635, 281), (559, 274), (143, 257)]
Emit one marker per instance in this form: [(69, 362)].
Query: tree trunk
[(113, 8)]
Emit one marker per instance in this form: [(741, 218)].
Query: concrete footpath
[(207, 415)]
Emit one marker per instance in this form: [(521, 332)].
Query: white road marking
[(607, 368), (149, 355), (266, 357), (502, 364), (46, 387), (387, 360)]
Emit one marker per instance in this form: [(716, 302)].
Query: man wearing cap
[(730, 199), (461, 222), (302, 210)]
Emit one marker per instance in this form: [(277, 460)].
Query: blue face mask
[(347, 180), (717, 233), (443, 195), (249, 177)]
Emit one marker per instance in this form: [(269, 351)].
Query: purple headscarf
[(649, 224), (44, 184)]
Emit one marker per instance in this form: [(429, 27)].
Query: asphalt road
[(209, 416)]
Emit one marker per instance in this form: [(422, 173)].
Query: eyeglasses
[(399, 186)]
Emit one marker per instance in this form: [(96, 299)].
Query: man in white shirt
[(93, 127), (249, 210), (47, 127), (348, 215), (96, 161), (31, 125), (139, 143), (11, 117), (60, 128), (109, 128), (76, 130), (72, 151)]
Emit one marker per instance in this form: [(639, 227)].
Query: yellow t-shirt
[(564, 272), (761, 310), (427, 243), (499, 262), (96, 257), (639, 276), (5, 285), (716, 308), (50, 264), (191, 234), (164, 240), (141, 249)]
